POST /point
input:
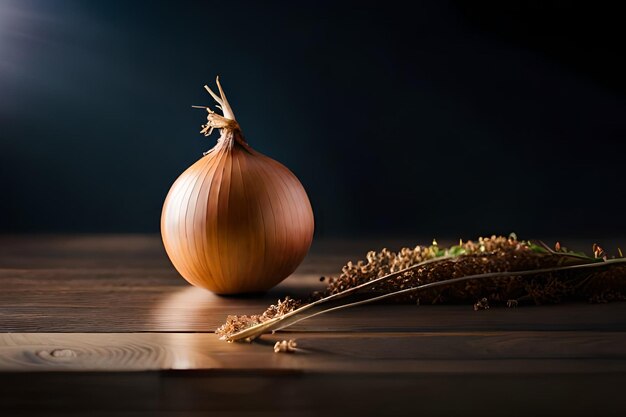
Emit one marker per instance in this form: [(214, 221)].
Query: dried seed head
[(495, 254), (598, 252)]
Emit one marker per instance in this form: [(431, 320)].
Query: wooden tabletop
[(102, 324)]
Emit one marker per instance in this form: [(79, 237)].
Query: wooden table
[(104, 324)]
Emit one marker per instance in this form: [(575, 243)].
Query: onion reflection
[(192, 314)]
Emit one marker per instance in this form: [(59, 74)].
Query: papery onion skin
[(236, 221)]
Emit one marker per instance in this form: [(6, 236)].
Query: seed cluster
[(486, 255), (493, 254), (237, 323)]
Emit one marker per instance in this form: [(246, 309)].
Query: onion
[(236, 221)]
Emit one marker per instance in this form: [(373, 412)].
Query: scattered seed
[(285, 346), (482, 304)]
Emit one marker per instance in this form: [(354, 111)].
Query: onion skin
[(236, 221)]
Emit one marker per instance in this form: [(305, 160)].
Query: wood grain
[(126, 284), (95, 325), (393, 353)]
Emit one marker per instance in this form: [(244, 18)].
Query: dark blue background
[(439, 119)]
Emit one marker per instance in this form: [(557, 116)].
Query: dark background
[(442, 119)]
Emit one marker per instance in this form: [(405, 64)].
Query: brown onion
[(236, 221)]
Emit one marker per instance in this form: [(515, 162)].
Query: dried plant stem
[(255, 331), (281, 322), (567, 254), (452, 281)]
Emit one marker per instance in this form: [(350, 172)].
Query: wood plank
[(190, 309), (126, 284), (377, 360), (115, 283), (244, 394), (399, 353), (408, 318), (146, 251)]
